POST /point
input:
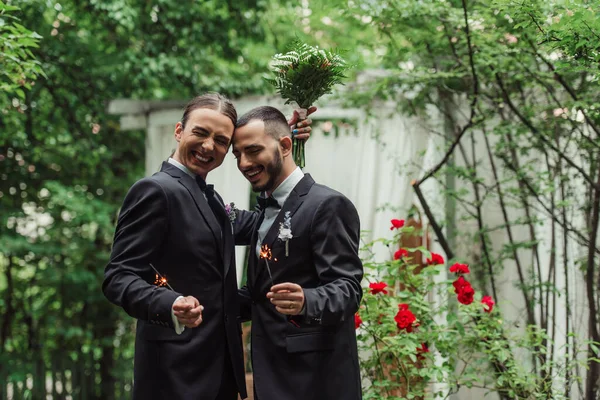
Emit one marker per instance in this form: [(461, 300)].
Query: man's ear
[(286, 145), (178, 131)]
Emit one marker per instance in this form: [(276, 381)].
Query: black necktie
[(213, 203), (265, 202)]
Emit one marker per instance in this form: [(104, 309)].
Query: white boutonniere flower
[(285, 231), (232, 211)]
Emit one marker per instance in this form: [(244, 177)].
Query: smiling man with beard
[(302, 304)]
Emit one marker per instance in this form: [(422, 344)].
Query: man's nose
[(208, 144), (243, 163)]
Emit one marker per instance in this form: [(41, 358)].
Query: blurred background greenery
[(65, 165)]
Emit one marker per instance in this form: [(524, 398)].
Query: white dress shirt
[(281, 193), (178, 327)]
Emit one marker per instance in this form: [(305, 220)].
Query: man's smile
[(202, 158)]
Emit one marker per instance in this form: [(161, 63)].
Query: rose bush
[(426, 331)]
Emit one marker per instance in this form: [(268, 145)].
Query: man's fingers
[(192, 318), (304, 124), (193, 323), (293, 296), (193, 301), (185, 304), (287, 304), (191, 314), (182, 305), (292, 287), (292, 121), (303, 136)]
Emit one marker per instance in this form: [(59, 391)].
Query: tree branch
[(434, 225), (538, 134)]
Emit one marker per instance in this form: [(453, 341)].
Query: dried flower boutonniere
[(285, 231), (232, 211)]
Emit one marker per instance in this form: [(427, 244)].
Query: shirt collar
[(282, 192), (182, 167)]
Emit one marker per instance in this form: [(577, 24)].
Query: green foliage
[(302, 76), (18, 66), (65, 166), (305, 73)]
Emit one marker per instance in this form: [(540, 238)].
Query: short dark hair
[(213, 101), (275, 123)]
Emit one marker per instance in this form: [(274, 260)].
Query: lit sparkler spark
[(265, 253), (160, 280)]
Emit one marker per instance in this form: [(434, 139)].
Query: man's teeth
[(200, 158), (251, 174)]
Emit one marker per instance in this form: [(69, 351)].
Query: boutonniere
[(285, 231), (232, 211)]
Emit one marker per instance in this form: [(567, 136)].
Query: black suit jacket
[(316, 356), (167, 221)]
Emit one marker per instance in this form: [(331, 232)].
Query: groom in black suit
[(304, 271), (188, 341)]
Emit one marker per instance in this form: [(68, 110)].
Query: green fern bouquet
[(302, 75)]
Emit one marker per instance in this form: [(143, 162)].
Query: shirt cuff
[(303, 311), (178, 327)]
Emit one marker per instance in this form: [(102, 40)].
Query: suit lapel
[(192, 187), (227, 242), (291, 205), (203, 206), (253, 260), (293, 202)]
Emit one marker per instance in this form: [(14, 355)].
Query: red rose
[(466, 295), (460, 268), (435, 259), (400, 253), (357, 321), (397, 224), (378, 287), (488, 304), (464, 290), (459, 284), (404, 318)]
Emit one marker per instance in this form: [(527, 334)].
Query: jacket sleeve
[(141, 231), (245, 301), (243, 226), (335, 235)]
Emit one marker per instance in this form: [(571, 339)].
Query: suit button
[(226, 318)]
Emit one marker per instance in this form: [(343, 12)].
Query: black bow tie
[(209, 190), (265, 202)]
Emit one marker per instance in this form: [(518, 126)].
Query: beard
[(273, 170)]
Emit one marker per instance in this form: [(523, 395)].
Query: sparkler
[(265, 254), (160, 280)]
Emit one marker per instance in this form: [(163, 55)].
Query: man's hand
[(302, 129), (288, 298), (188, 311)]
